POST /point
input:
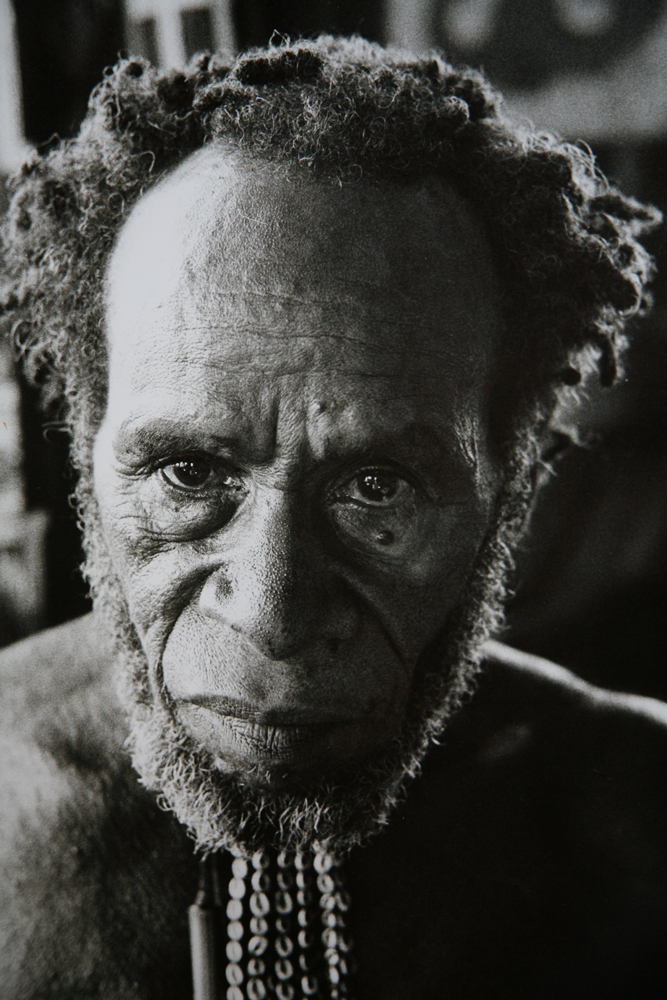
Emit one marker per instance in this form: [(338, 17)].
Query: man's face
[(293, 474)]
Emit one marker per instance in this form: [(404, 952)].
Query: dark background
[(592, 577)]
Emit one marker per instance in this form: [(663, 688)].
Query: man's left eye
[(377, 488), (194, 474), (379, 511)]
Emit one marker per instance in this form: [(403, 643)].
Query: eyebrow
[(143, 440)]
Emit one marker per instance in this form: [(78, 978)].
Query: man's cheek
[(199, 657), (207, 657), (158, 578), (416, 599)]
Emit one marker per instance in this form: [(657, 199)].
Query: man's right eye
[(193, 475)]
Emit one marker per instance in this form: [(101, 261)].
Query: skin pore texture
[(294, 487)]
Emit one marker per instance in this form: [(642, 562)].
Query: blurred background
[(592, 577)]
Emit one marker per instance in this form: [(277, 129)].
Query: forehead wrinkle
[(208, 243), (317, 296), (410, 344), (374, 343), (339, 302), (272, 377), (405, 359)]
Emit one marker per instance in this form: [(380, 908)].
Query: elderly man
[(311, 319)]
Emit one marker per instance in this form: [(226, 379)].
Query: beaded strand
[(234, 949), (334, 903), (259, 928), (297, 943)]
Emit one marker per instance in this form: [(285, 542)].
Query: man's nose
[(277, 587)]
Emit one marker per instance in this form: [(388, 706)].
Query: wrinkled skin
[(293, 473)]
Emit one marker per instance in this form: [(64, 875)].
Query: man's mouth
[(233, 708), (304, 739), (274, 741)]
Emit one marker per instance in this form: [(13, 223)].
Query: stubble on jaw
[(222, 810)]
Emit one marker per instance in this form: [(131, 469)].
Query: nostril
[(216, 591), (223, 588), (334, 645)]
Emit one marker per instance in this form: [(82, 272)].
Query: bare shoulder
[(537, 679), (58, 712), (56, 689), (46, 670), (601, 756), (82, 844), (59, 724), (574, 720)]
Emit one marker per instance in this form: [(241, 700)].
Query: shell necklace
[(281, 936)]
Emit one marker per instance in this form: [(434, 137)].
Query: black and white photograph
[(333, 500)]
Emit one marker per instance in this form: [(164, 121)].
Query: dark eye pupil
[(193, 472), (376, 487)]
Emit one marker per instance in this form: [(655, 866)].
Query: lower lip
[(275, 741), (240, 740)]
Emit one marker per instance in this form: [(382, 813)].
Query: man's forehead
[(226, 223)]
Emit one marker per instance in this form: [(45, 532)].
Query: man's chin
[(224, 803), (295, 774)]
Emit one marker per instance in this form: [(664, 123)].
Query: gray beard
[(222, 810)]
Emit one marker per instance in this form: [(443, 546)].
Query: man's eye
[(379, 511), (377, 488), (193, 474)]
